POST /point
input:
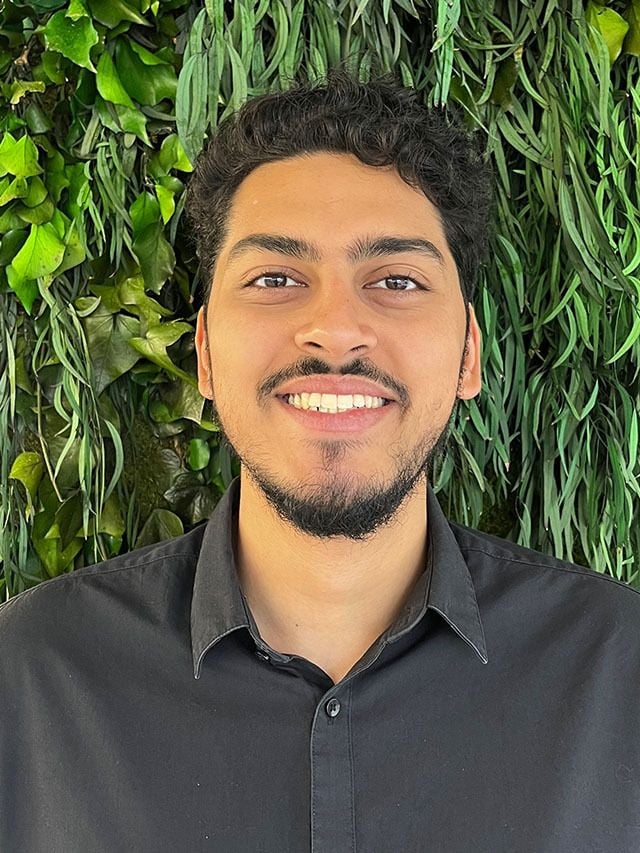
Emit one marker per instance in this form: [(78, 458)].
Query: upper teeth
[(334, 402)]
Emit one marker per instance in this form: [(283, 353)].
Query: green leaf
[(19, 88), (28, 467), (111, 520), (632, 39), (166, 201), (611, 26), (17, 188), (115, 12), (155, 255), (73, 39), (39, 214), (148, 84), (144, 211), (19, 158), (172, 155), (109, 83), (108, 336), (162, 524), (154, 347), (198, 454), (132, 121), (41, 254)]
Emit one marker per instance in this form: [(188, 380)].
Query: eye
[(398, 283), (273, 280)]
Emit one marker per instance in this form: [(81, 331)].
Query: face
[(335, 278)]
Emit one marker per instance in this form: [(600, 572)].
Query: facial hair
[(346, 507)]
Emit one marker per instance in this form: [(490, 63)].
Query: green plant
[(103, 109)]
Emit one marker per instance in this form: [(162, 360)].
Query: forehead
[(334, 196)]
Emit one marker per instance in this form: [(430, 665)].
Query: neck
[(327, 600)]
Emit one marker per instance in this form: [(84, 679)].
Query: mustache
[(314, 366)]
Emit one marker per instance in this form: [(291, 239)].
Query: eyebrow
[(361, 249)]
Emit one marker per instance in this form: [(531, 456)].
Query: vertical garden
[(106, 443)]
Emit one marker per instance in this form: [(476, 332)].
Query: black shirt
[(141, 711)]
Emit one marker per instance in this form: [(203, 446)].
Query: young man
[(328, 664)]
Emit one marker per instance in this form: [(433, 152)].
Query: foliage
[(103, 109)]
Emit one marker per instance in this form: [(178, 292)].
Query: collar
[(217, 606)]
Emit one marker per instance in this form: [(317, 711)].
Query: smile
[(333, 403)]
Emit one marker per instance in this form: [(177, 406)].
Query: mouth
[(333, 404), (350, 416)]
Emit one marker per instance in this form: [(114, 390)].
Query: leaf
[(632, 39), (190, 497), (198, 454), (166, 201), (191, 103), (41, 254), (72, 38), (148, 84), (144, 211), (155, 255), (19, 158), (162, 524), (17, 188), (109, 83), (172, 155), (611, 26), (154, 347), (115, 12), (28, 468), (19, 88), (108, 337)]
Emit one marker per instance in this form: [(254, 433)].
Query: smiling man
[(328, 664)]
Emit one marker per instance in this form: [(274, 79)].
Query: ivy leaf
[(115, 12), (155, 255), (41, 254), (162, 524), (146, 82), (154, 347), (198, 454), (611, 26), (632, 39), (72, 38), (19, 158), (144, 211), (19, 88), (28, 467), (17, 188), (167, 204), (109, 83), (108, 336)]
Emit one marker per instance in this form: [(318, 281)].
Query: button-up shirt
[(142, 711)]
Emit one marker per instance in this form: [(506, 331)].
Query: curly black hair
[(382, 123)]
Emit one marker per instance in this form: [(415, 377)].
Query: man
[(328, 664)]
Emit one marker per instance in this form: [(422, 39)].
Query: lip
[(352, 421), (326, 384)]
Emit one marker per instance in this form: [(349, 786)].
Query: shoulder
[(60, 596), (509, 564)]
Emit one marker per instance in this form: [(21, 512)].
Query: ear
[(204, 362), (471, 380)]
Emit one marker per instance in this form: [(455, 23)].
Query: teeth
[(334, 403)]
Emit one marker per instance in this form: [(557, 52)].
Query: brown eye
[(398, 282), (272, 280)]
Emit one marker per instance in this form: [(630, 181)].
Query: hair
[(382, 123)]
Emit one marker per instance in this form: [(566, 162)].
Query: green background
[(106, 443)]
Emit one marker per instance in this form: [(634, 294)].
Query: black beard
[(341, 509)]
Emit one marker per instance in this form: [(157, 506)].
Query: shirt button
[(332, 708), (262, 655)]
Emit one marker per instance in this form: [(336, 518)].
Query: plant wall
[(104, 106)]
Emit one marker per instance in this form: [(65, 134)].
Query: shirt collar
[(217, 607)]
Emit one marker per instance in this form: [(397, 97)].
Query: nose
[(335, 326)]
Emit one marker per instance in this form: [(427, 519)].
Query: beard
[(345, 505)]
